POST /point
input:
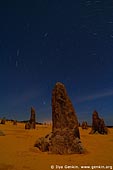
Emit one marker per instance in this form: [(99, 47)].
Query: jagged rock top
[(98, 125)]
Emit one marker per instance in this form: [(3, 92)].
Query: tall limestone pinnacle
[(32, 118), (31, 124), (65, 136), (63, 113)]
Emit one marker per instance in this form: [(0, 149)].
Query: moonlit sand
[(17, 151)]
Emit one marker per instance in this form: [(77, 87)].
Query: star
[(46, 34), (88, 3), (97, 1), (44, 102), (94, 33), (94, 54), (18, 52), (16, 63), (110, 22), (111, 36), (27, 27), (41, 62)]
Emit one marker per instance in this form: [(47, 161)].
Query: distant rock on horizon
[(84, 125), (33, 118), (98, 125), (31, 124), (3, 120), (14, 122)]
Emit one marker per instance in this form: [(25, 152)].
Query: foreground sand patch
[(6, 167), (17, 151)]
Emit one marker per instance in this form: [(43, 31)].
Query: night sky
[(46, 41)]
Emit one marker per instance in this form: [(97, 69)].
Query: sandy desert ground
[(17, 151)]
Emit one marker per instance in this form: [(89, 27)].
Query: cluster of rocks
[(31, 124), (65, 136), (84, 125), (3, 120), (98, 125)]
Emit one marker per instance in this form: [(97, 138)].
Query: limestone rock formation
[(32, 118), (14, 122), (3, 120), (43, 143), (98, 125), (31, 124), (63, 113), (27, 125), (65, 136), (84, 125)]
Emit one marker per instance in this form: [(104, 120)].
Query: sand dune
[(17, 150)]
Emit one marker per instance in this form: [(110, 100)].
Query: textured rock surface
[(14, 122), (27, 125), (98, 125), (43, 143), (32, 118), (32, 122), (63, 113), (65, 137), (84, 125), (3, 121)]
